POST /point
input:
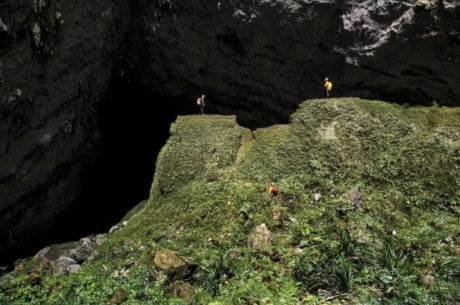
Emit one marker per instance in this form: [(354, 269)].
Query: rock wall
[(56, 61), (259, 59)]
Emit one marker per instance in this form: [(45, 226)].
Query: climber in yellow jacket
[(327, 87)]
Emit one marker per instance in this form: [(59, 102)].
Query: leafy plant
[(214, 271), (332, 271)]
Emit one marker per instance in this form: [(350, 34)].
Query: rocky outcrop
[(259, 59), (260, 239), (67, 258), (172, 264), (56, 61), (255, 59)]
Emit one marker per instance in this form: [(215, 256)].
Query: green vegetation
[(385, 230)]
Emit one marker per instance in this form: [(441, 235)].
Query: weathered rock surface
[(69, 257), (260, 239), (56, 60), (172, 264), (259, 59)]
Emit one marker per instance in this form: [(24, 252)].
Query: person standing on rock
[(327, 87), (201, 102)]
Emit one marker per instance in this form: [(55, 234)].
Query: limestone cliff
[(56, 60), (255, 59), (259, 59)]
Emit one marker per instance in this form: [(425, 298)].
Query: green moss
[(197, 145), (210, 191)]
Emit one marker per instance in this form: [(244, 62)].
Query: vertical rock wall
[(260, 58), (56, 60)]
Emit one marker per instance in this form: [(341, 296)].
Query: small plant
[(343, 273), (214, 271), (450, 269), (332, 271), (287, 292)]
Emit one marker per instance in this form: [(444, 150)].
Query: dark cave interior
[(134, 125)]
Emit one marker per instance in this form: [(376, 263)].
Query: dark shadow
[(134, 125)]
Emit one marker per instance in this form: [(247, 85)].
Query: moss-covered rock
[(386, 220), (197, 145), (353, 141)]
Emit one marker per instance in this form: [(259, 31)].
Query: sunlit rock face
[(259, 59), (56, 60)]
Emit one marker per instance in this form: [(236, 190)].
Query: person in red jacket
[(273, 191)]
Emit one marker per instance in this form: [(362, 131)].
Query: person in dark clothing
[(201, 101)]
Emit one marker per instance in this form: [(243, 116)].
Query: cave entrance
[(134, 125)]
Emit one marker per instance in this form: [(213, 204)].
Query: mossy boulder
[(197, 145), (174, 265)]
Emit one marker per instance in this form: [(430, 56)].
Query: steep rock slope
[(338, 141), (384, 230), (55, 67), (259, 59)]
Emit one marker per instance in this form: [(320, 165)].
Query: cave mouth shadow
[(133, 125)]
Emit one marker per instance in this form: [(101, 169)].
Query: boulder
[(173, 265)]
